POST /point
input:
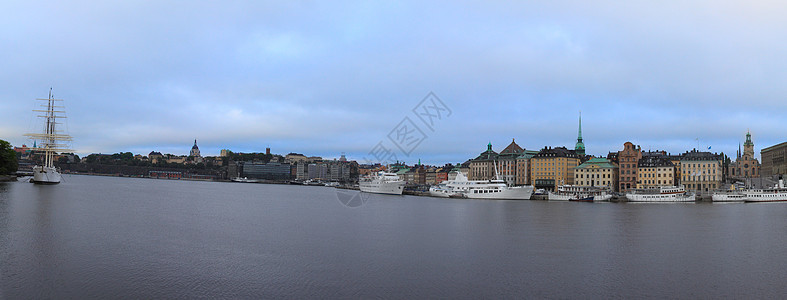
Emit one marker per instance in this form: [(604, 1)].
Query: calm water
[(104, 237)]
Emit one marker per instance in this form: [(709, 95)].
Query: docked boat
[(775, 194), (728, 196), (381, 183), (579, 193), (52, 140), (440, 190), (245, 180), (461, 187), (660, 194)]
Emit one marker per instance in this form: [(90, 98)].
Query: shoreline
[(8, 178)]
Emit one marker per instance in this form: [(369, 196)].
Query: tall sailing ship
[(50, 141)]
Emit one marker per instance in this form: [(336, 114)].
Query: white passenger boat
[(51, 141), (660, 194), (579, 193), (480, 189), (728, 196), (441, 190), (775, 194), (245, 180), (381, 183)]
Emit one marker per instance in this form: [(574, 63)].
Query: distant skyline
[(323, 78)]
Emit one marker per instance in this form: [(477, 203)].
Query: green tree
[(8, 162)]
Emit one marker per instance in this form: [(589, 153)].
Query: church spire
[(580, 146)]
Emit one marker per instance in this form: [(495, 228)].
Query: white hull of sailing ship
[(51, 141), (662, 194), (46, 175), (382, 183)]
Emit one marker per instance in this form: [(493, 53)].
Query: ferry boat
[(579, 193), (734, 194), (51, 141), (382, 183), (728, 196), (245, 180), (461, 187), (660, 194), (774, 194)]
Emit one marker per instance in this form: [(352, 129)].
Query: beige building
[(483, 167), (552, 167), (701, 171), (774, 160), (597, 172), (507, 162), (654, 170), (523, 167)]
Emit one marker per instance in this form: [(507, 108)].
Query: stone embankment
[(7, 178)]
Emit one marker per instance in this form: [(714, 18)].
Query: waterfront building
[(552, 167), (297, 158), (483, 167), (745, 165), (507, 162), (701, 171), (774, 160), (271, 170), (175, 159), (628, 160), (597, 172), (579, 148), (155, 157), (523, 167), (655, 169), (464, 168)]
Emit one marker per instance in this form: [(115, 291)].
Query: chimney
[(267, 151)]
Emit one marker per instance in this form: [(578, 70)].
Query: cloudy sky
[(323, 78)]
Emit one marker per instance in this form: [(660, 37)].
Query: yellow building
[(701, 171), (655, 169), (597, 172), (552, 167)]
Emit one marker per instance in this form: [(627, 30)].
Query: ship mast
[(51, 138)]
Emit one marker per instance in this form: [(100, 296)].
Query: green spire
[(580, 147), (489, 147), (748, 138)]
